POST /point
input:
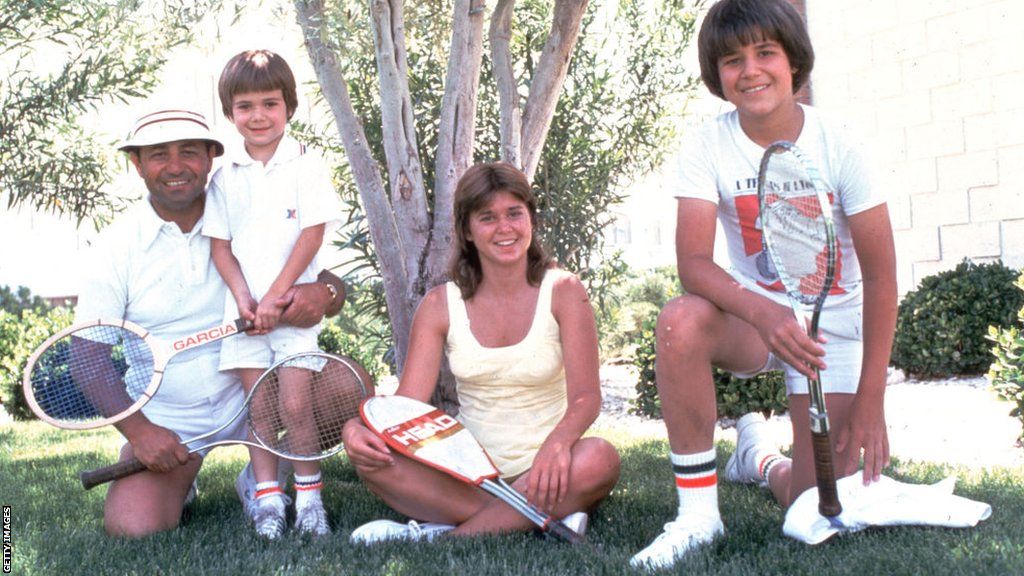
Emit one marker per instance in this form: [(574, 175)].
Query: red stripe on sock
[(313, 486), (268, 492), (699, 482)]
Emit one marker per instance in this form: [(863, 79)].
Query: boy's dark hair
[(731, 24), (257, 71), (475, 190)]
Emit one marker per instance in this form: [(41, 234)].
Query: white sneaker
[(269, 516), (383, 530), (679, 537), (577, 522), (751, 436), (245, 485), (311, 518)]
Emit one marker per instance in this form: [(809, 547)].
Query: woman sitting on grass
[(506, 320)]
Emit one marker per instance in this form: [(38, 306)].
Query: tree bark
[(548, 79), (383, 228), (405, 173), (500, 35)]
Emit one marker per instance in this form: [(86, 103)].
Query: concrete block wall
[(934, 87)]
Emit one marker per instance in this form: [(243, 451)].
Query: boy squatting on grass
[(756, 54), (267, 210)]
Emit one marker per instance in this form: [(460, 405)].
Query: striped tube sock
[(268, 490), (767, 461), (696, 483), (307, 488)]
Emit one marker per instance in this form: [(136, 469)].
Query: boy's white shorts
[(244, 351), (843, 328)]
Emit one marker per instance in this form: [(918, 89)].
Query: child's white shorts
[(244, 351), (843, 328)]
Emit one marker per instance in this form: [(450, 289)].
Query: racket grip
[(824, 472), (92, 478)]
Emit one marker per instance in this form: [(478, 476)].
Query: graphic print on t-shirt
[(748, 215)]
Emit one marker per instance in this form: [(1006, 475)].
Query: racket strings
[(797, 228), (299, 408), (91, 374)]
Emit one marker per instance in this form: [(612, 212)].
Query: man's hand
[(158, 448), (306, 304)]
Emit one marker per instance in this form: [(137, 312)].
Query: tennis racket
[(799, 238), (429, 436), (296, 410), (99, 372)]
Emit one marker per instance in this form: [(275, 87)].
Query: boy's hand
[(268, 313), (247, 309), (787, 338), (866, 431)]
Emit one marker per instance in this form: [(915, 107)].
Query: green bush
[(765, 393), (369, 352), (1007, 372), (941, 326), (19, 337), (622, 314)]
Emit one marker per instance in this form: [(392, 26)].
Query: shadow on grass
[(57, 525)]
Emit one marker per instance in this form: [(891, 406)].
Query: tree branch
[(405, 173), (381, 220), (548, 79), (456, 132), (500, 34)]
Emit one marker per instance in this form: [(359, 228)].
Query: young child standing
[(266, 213), (756, 54)]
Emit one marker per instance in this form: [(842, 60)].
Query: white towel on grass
[(883, 503)]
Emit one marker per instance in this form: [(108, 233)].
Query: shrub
[(624, 311), (367, 351), (1007, 372), (19, 337), (765, 393), (941, 326)]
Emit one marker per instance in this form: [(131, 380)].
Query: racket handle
[(92, 478), (828, 496), (562, 532)]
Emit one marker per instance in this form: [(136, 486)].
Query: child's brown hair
[(257, 71)]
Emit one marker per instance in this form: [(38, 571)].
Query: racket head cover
[(298, 407), (93, 374), (428, 435)]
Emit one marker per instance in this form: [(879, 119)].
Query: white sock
[(307, 489), (696, 483), (267, 490)]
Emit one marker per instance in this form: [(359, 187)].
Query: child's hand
[(268, 313), (246, 308)]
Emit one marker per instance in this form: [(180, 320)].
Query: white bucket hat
[(170, 126)]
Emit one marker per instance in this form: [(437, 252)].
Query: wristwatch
[(333, 290)]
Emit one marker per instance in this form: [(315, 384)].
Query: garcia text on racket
[(8, 543), (211, 334)]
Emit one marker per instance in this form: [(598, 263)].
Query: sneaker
[(751, 435), (383, 530), (269, 516), (312, 518), (245, 485), (577, 522), (679, 537)]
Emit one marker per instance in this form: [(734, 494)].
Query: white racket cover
[(428, 435)]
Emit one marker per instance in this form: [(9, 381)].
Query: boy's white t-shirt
[(719, 163), (263, 209)]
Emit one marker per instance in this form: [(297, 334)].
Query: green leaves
[(1007, 371), (941, 326)]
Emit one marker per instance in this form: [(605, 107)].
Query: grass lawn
[(56, 526)]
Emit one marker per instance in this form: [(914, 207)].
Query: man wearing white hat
[(153, 267)]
